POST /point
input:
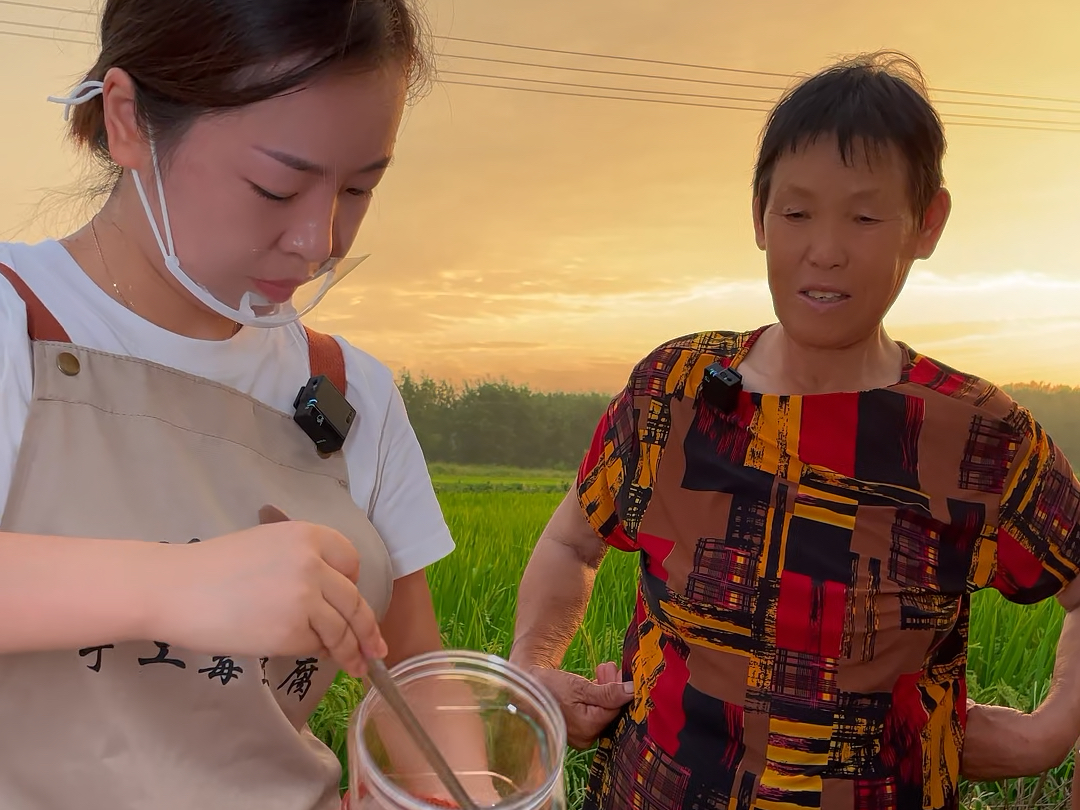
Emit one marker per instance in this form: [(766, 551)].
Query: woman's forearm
[(69, 593)]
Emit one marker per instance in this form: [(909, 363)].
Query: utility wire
[(642, 60), (45, 7), (745, 85), (606, 87), (671, 96), (1018, 123)]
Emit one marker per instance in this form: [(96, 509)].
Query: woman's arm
[(410, 626), (281, 589), (1003, 743), (1037, 556), (73, 592)]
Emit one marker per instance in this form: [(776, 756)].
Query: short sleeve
[(405, 511), (607, 476), (388, 474), (16, 382), (1038, 542)]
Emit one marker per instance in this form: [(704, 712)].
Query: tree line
[(1057, 408), (500, 423), (506, 424)]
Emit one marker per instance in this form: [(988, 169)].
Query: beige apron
[(122, 448)]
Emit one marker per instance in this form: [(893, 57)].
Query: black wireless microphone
[(324, 414), (720, 387)]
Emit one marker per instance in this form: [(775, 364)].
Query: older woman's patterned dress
[(800, 633)]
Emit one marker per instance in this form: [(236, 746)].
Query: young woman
[(151, 363)]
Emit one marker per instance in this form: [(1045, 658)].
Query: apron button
[(67, 363)]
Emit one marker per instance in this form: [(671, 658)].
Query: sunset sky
[(554, 240)]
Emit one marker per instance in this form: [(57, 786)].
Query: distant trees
[(501, 423), (1057, 407)]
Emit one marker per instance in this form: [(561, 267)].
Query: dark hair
[(867, 102), (192, 57)]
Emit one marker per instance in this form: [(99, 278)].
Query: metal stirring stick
[(383, 681)]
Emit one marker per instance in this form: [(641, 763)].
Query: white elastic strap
[(161, 199), (92, 89), (166, 251), (80, 95)]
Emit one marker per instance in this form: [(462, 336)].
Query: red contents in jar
[(427, 799), (438, 802)]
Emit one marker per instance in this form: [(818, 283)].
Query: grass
[(461, 478), (496, 515), (1011, 658)]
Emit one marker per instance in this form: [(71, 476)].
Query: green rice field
[(496, 514)]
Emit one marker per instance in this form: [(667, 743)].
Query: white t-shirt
[(387, 471)]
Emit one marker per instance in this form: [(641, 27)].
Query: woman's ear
[(758, 211), (937, 214), (127, 146)]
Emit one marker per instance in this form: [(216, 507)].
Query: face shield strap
[(81, 94)]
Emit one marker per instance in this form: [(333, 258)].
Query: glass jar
[(499, 729)]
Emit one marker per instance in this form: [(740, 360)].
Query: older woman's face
[(839, 241)]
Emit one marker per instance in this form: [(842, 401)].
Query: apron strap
[(326, 358), (40, 323)]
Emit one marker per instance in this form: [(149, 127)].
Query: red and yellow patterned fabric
[(800, 634)]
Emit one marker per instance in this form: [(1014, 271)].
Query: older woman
[(812, 503)]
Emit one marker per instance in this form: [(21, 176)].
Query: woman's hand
[(587, 706), (281, 589)]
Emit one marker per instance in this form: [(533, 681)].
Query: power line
[(715, 82), (41, 27), (49, 8), (613, 72), (615, 89), (610, 98), (1012, 119), (1065, 128), (643, 60), (1018, 96), (999, 106), (620, 58), (706, 96), (24, 35), (1017, 123), (999, 120)]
